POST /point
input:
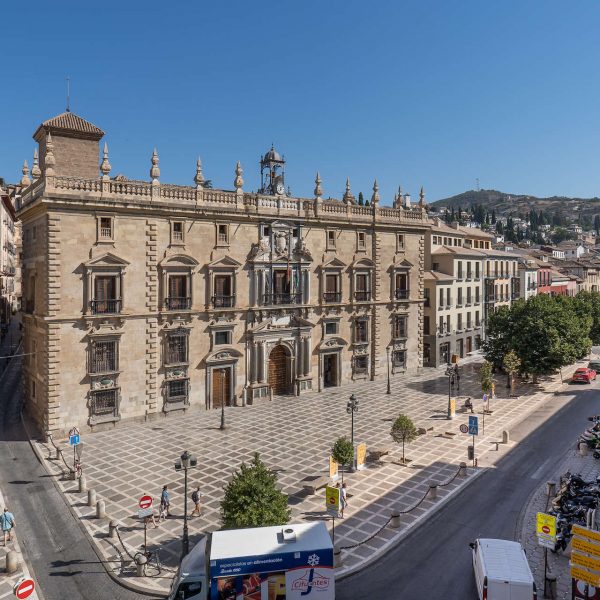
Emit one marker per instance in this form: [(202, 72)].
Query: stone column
[(306, 286), (253, 362), (300, 355), (306, 359), (261, 365)]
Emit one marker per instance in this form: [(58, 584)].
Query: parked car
[(594, 365), (584, 374)]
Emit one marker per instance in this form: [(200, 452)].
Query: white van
[(502, 571)]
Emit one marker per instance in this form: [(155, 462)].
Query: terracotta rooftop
[(69, 121), (459, 250), (436, 276)]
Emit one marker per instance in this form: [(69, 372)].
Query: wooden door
[(221, 387), (105, 289), (278, 371), (469, 345)]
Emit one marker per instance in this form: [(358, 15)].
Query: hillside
[(506, 204)]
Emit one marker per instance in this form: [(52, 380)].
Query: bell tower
[(272, 173)]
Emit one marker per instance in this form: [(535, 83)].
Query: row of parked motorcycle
[(576, 499)]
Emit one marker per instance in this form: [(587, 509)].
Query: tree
[(499, 335), (588, 303), (486, 378), (511, 364), (343, 453), (493, 216), (252, 498), (361, 199), (403, 431), (597, 224)]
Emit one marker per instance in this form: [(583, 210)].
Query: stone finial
[(49, 160), (25, 181), (36, 172), (407, 200), (318, 188), (348, 198), (398, 198), (199, 177), (238, 181), (422, 201), (105, 165), (375, 196), (154, 170)]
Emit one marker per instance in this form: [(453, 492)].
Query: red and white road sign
[(546, 529), (145, 502), (24, 588)]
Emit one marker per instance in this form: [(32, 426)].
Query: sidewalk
[(294, 436)]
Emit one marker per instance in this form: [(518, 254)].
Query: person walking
[(196, 495), (7, 520), (165, 503), (344, 498)]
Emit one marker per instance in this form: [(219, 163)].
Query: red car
[(584, 374)]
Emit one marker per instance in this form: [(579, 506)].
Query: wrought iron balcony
[(332, 296), (282, 298), (105, 307), (183, 303), (223, 301), (362, 296), (402, 294)]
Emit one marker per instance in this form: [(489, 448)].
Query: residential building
[(501, 280), (8, 259), (528, 277), (142, 298)]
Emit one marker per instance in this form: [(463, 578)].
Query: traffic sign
[(464, 428), (144, 512), (473, 425), (332, 500), (145, 502), (545, 525), (24, 588), (74, 440), (546, 542)]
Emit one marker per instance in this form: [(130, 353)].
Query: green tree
[(588, 303), (343, 453), (403, 431), (511, 364), (361, 199), (498, 336), (486, 378), (252, 498), (493, 216), (560, 234), (597, 224)]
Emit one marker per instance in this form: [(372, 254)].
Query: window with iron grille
[(331, 327), (222, 234), (177, 390), (104, 403), (400, 326), (106, 228), (103, 356), (177, 231), (399, 359), (361, 364), (177, 348), (222, 337), (361, 331)]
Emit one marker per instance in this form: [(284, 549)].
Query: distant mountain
[(506, 204)]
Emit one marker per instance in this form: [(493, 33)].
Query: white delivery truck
[(287, 562), (502, 571)]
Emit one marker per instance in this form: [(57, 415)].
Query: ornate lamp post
[(351, 408), (222, 426), (451, 374), (187, 461), (389, 390)]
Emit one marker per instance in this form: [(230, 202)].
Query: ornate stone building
[(142, 298)]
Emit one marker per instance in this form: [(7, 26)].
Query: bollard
[(337, 557), (12, 561), (82, 484), (112, 529), (432, 493), (140, 564), (505, 437), (91, 497), (462, 471), (583, 449), (58, 454), (100, 509), (551, 584), (395, 519), (551, 489)]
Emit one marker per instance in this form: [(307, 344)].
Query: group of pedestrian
[(164, 510)]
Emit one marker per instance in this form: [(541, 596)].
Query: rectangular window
[(222, 234), (448, 324), (266, 231), (33, 390), (448, 298), (362, 292), (477, 298), (441, 297), (469, 324), (331, 327), (103, 357), (106, 228), (222, 337), (426, 295), (400, 326), (399, 359), (223, 291), (441, 325), (361, 241), (177, 232), (331, 238), (459, 272), (361, 331), (104, 403), (361, 364), (399, 242), (177, 349), (459, 322), (177, 391), (459, 300), (332, 292), (178, 298), (477, 270), (426, 325), (402, 291), (477, 321), (469, 273), (105, 295)]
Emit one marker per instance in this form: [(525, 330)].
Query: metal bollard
[(551, 489), (112, 529), (462, 470), (395, 519), (12, 561), (551, 584), (58, 454), (100, 509), (91, 497), (140, 564), (505, 437), (82, 484), (337, 557), (583, 449), (432, 493)]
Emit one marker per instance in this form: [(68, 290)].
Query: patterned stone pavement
[(293, 436)]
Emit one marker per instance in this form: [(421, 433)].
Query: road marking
[(538, 472)]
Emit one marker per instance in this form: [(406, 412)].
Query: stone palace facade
[(141, 298)]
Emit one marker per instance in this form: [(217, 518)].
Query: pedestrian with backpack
[(7, 521), (165, 503), (196, 496)]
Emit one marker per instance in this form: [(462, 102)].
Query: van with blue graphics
[(289, 562)]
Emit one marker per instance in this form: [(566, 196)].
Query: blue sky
[(432, 93)]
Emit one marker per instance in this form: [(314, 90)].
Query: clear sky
[(411, 92)]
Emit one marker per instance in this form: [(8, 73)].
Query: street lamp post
[(185, 462), (223, 371), (451, 373), (351, 408), (389, 390)]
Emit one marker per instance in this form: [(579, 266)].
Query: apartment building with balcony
[(9, 292), (142, 298), (502, 285)]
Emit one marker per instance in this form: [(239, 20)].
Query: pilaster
[(152, 346)]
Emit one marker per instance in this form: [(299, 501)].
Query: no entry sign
[(24, 588), (145, 502)]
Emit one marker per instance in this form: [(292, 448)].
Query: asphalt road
[(59, 555), (435, 560)]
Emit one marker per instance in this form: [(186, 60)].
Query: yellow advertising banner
[(545, 525), (453, 405), (586, 533), (585, 576), (333, 468), (361, 455), (332, 500), (585, 546), (585, 561)]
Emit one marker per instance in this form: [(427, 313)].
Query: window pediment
[(363, 263), (106, 260), (402, 265), (226, 262), (178, 260), (334, 263)]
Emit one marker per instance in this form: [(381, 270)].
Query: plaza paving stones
[(293, 435)]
